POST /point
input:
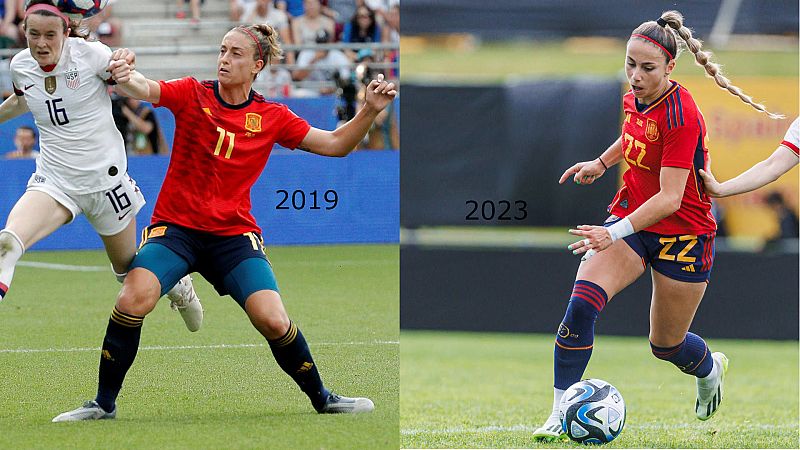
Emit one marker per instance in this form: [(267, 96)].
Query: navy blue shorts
[(682, 257), (235, 265)]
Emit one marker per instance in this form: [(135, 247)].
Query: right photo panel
[(599, 224)]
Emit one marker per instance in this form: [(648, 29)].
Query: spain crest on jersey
[(651, 130), (252, 122), (73, 79)]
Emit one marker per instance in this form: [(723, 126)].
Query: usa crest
[(50, 84), (73, 79), (252, 122), (651, 131)]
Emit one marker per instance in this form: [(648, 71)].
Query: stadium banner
[(299, 199), (549, 19), (527, 290), (739, 136), (513, 143)]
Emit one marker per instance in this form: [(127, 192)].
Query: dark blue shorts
[(682, 257), (234, 265)]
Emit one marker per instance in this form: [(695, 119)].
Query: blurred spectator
[(294, 8), (240, 9), (323, 65), (105, 27), (194, 9), (361, 28), (143, 135), (9, 31), (391, 34), (24, 140), (275, 82), (787, 219), (341, 11), (306, 27), (265, 12)]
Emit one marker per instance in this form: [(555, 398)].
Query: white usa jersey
[(81, 149), (792, 138)]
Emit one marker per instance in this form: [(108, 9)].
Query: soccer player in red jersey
[(661, 216), (202, 222)]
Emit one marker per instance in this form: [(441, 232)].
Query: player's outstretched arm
[(12, 107), (586, 172), (344, 139), (763, 173), (130, 82)]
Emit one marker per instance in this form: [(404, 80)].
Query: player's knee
[(137, 299)]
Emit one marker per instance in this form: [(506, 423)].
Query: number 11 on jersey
[(222, 133)]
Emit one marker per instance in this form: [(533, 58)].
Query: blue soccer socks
[(691, 356), (294, 357), (575, 336), (119, 350)]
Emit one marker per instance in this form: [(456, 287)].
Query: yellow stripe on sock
[(126, 320), (288, 338)]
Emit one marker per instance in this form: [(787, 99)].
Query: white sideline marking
[(69, 267), (344, 262), (184, 347), (531, 429)]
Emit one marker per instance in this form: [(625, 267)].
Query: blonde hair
[(665, 35), (267, 40)]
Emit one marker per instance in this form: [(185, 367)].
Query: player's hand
[(713, 187), (120, 71), (126, 54), (585, 172), (594, 239), (380, 93)]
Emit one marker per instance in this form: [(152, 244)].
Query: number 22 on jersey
[(630, 145)]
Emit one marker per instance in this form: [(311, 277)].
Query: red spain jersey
[(218, 152), (670, 132)]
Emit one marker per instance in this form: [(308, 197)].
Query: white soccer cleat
[(89, 411), (183, 298), (706, 407), (551, 431), (336, 404)]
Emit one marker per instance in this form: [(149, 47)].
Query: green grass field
[(499, 61), (475, 390), (217, 388)]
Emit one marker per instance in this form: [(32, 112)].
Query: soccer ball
[(592, 412), (79, 9)]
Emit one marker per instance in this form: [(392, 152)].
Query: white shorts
[(108, 211)]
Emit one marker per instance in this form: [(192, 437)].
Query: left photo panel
[(199, 224)]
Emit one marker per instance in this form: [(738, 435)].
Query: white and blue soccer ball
[(78, 9), (592, 412)]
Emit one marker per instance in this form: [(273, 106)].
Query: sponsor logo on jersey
[(38, 179), (639, 122), (207, 111), (252, 122), (688, 268), (624, 204), (651, 131), (73, 78), (28, 86), (50, 84)]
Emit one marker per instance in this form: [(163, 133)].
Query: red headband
[(47, 7), (258, 44), (654, 42)]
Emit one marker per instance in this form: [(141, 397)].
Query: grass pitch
[(217, 388), (476, 390)]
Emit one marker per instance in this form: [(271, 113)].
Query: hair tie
[(646, 38), (49, 8), (258, 44), (661, 22)]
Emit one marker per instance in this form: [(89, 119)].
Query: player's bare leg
[(121, 249), (266, 312), (609, 271), (671, 313), (35, 216)]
